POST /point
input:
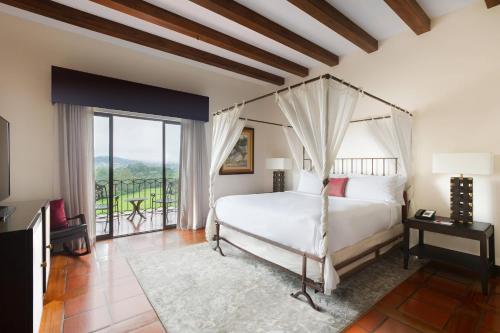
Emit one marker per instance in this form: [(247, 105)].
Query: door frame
[(110, 116)]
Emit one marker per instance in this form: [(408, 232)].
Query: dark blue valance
[(80, 88)]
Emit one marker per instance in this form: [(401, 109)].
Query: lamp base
[(278, 181), (461, 199)]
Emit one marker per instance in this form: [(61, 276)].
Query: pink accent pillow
[(57, 215), (336, 187)]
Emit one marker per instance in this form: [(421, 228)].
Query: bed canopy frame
[(231, 125)]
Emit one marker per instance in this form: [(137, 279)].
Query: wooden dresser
[(25, 266)]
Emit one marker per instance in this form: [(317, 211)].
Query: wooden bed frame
[(365, 166)]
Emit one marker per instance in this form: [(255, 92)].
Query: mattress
[(293, 218)]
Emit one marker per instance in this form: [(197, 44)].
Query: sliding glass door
[(137, 176)]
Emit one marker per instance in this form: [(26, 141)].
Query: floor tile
[(392, 300), (371, 320), (491, 321), (79, 281), (393, 326), (447, 286), (437, 298), (51, 318), (419, 277), (85, 302), (460, 323), (155, 327), (81, 269), (355, 329), (129, 308), (122, 289), (426, 313), (406, 288), (134, 322), (494, 300), (88, 321)]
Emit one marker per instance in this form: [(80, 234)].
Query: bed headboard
[(374, 166)]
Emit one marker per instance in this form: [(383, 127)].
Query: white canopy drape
[(294, 145), (319, 113), (227, 128), (394, 136)]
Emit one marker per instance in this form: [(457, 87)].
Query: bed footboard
[(306, 282)]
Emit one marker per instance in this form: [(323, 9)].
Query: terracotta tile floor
[(99, 292), (435, 299)]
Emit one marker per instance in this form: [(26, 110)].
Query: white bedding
[(293, 218)]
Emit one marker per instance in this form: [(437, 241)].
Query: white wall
[(269, 142), (29, 49)]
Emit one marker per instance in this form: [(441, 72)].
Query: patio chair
[(101, 194), (62, 233), (170, 200)]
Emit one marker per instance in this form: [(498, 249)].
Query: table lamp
[(461, 187), (279, 165)]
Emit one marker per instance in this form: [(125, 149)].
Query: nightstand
[(479, 231)]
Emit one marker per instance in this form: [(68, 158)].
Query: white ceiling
[(372, 15)]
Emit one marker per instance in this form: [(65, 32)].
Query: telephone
[(425, 214)]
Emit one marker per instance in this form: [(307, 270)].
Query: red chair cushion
[(58, 218), (336, 187)]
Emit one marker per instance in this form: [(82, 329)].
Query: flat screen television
[(4, 159)]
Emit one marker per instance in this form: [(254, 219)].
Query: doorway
[(136, 164)]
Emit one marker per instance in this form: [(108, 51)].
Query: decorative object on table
[(279, 165), (240, 160), (461, 189), (478, 231)]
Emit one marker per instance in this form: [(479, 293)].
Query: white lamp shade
[(463, 163), (278, 163)]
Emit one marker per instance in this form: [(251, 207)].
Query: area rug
[(194, 289)]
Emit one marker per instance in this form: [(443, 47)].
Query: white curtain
[(402, 124), (194, 175), (394, 137), (226, 131), (294, 145), (76, 162), (319, 113)]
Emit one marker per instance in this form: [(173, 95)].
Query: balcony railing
[(124, 191)]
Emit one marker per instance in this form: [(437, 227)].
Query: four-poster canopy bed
[(277, 227)]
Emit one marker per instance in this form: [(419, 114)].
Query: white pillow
[(379, 188), (309, 183)]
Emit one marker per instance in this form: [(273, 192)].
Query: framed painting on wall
[(241, 158)]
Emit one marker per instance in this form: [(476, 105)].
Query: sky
[(137, 139)]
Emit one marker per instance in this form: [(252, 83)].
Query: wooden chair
[(68, 233)]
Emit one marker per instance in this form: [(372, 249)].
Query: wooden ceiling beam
[(338, 22), (240, 14), (98, 24), (164, 18), (412, 14), (492, 3)]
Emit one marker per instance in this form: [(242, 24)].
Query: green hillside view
[(135, 179)]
